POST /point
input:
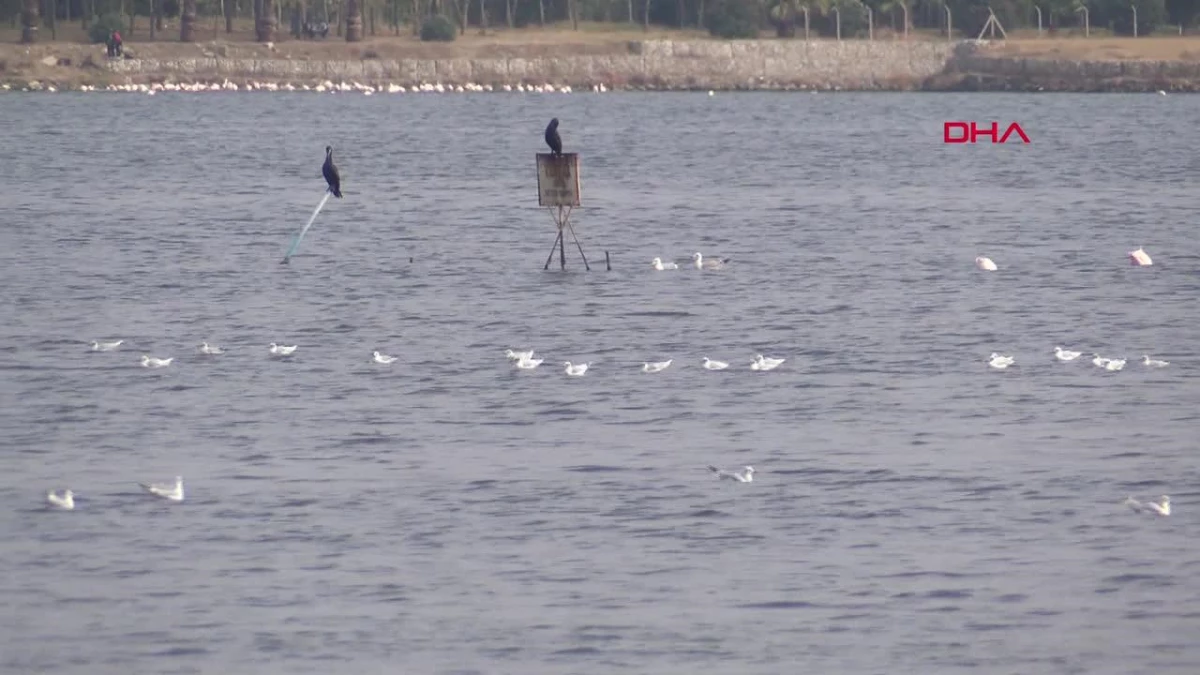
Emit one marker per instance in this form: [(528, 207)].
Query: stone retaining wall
[(712, 64), (978, 72), (750, 64)]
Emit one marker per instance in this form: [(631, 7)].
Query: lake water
[(913, 510)]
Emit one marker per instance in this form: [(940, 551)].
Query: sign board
[(558, 179)]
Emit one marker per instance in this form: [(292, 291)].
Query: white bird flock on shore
[(324, 87)]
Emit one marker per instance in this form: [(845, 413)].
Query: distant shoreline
[(612, 64)]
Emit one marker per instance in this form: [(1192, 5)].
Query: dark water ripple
[(911, 512)]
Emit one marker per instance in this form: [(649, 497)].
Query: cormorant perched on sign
[(331, 173), (552, 138)]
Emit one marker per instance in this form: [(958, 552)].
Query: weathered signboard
[(558, 179)]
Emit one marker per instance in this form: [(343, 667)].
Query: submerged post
[(558, 188)]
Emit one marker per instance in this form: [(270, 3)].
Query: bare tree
[(460, 7), (29, 21), (264, 26), (354, 24), (187, 21)]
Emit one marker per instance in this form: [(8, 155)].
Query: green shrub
[(732, 19), (438, 28), (104, 27)]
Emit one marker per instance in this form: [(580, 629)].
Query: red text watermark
[(970, 132)]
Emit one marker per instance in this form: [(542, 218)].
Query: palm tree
[(353, 21), (187, 21), (29, 21)]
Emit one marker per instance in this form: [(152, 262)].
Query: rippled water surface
[(913, 511)]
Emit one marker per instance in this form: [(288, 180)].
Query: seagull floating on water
[(1153, 363), (1139, 258), (65, 501), (106, 346), (656, 366), (710, 264), (280, 350), (171, 492), (765, 363), (1000, 362), (1066, 355), (660, 265), (1100, 361), (154, 362), (576, 369), (206, 348), (746, 475), (1114, 364), (985, 263), (382, 358), (709, 364), (517, 356), (529, 363), (1162, 507)]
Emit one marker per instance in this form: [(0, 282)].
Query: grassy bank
[(553, 40)]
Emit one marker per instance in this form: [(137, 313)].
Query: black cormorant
[(552, 137), (331, 173)]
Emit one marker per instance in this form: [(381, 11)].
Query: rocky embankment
[(849, 65), (972, 69)]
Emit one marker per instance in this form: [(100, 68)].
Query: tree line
[(726, 18)]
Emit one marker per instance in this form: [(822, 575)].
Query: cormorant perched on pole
[(552, 137), (331, 173)]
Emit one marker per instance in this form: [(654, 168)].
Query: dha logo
[(969, 132)]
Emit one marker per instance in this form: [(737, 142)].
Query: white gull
[(1154, 363), (1065, 355), (1001, 362), (529, 364), (765, 363), (382, 358), (985, 263), (577, 369), (746, 475), (206, 348), (656, 366), (710, 264), (709, 364), (1162, 507), (65, 501), (106, 346), (280, 350), (660, 265), (1140, 258), (171, 492), (154, 362)]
